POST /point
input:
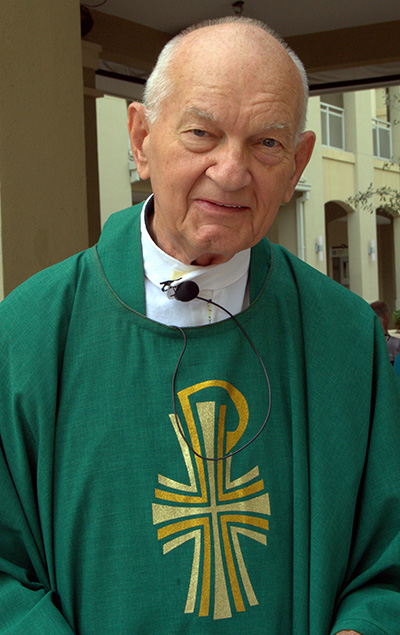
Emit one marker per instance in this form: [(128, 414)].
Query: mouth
[(209, 203), (230, 206)]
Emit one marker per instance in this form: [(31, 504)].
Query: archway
[(336, 240)]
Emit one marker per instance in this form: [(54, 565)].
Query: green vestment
[(110, 525)]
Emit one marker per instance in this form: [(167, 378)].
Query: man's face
[(223, 155)]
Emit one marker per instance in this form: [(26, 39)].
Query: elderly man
[(249, 485)]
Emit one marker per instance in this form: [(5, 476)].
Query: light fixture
[(371, 249), (319, 248), (238, 7)]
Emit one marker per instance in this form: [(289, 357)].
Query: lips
[(227, 206), (230, 206)]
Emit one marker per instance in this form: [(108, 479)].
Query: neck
[(208, 259)]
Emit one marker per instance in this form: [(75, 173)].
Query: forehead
[(234, 68)]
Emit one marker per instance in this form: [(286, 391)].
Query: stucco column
[(394, 106), (396, 236), (314, 217), (361, 224), (42, 142), (394, 109), (113, 147), (90, 61)]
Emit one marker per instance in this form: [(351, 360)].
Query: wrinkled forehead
[(238, 58)]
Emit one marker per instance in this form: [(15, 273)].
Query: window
[(332, 123), (382, 137)]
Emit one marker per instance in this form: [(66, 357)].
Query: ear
[(302, 155), (138, 132)]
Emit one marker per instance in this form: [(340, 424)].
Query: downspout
[(301, 244)]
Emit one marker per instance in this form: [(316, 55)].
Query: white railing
[(332, 124), (382, 138)]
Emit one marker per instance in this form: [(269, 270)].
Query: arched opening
[(336, 239)]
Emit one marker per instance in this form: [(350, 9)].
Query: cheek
[(269, 199), (275, 188), (187, 167)]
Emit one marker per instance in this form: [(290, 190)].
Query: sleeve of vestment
[(29, 362), (369, 602)]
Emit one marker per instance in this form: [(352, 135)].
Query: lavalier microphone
[(187, 291)]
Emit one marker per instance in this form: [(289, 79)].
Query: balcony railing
[(332, 124)]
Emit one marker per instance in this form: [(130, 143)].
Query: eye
[(198, 139), (270, 143), (199, 133)]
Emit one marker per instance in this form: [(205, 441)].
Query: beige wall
[(386, 175), (314, 222), (113, 144), (42, 148), (338, 174), (283, 231), (361, 225)]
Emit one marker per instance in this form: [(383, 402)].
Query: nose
[(229, 168)]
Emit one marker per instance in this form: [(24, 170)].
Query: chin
[(221, 241), (212, 256)]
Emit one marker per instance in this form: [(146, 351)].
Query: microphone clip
[(184, 291), (167, 285)]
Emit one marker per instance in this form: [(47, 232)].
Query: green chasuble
[(110, 525)]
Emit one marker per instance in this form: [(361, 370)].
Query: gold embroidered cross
[(214, 511)]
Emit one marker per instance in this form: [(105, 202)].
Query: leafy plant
[(388, 200)]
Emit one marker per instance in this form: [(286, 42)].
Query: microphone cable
[(185, 292)]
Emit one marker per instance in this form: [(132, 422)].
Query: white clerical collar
[(226, 282)]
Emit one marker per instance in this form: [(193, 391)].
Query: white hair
[(159, 85)]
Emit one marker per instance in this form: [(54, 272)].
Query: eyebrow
[(208, 116), (277, 126), (202, 114)]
